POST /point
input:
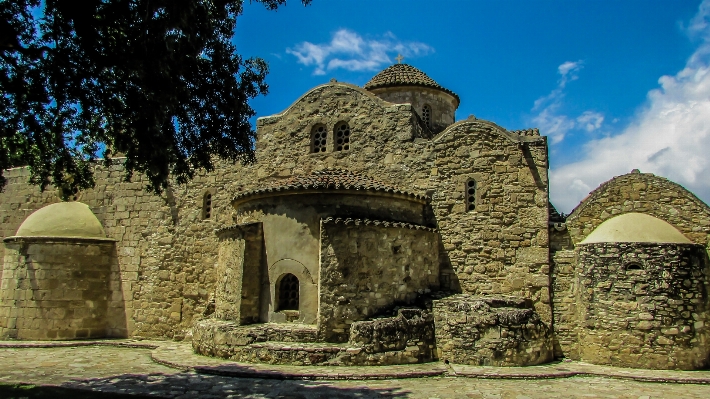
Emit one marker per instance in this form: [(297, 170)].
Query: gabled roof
[(330, 179), (404, 75)]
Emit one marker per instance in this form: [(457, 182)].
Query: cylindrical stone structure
[(56, 277), (643, 296), (402, 83)]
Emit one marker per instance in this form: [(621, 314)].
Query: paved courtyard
[(134, 370)]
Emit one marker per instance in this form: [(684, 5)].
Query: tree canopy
[(158, 81)]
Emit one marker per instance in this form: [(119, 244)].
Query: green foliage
[(156, 80)]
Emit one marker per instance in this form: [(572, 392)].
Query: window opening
[(288, 292), (633, 266), (426, 115), (471, 195), (342, 137), (207, 206), (319, 138)]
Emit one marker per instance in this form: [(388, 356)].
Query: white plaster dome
[(636, 227), (63, 219)]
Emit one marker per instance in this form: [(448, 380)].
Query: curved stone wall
[(642, 193), (643, 305), (443, 105), (54, 289)]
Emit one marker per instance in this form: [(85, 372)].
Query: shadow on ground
[(37, 392), (194, 385)]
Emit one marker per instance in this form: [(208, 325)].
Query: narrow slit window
[(319, 139), (207, 206), (426, 115), (342, 137), (470, 195), (288, 292)]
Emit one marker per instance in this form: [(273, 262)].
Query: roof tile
[(404, 75), (331, 179)]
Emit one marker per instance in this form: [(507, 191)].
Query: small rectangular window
[(471, 195)]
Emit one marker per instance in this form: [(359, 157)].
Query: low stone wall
[(494, 331), (55, 289), (411, 330), (644, 305), (404, 339), (213, 337)]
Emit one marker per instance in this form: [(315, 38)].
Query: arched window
[(207, 205), (426, 115), (319, 138), (342, 136), (633, 266), (288, 292), (471, 195)]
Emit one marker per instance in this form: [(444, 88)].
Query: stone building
[(372, 229)]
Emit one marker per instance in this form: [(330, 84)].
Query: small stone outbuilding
[(57, 275), (643, 296)]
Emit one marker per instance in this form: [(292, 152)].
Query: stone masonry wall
[(366, 270), (167, 251), (491, 331), (633, 192), (642, 193), (443, 106), (61, 289), (564, 304), (644, 305), (501, 247)]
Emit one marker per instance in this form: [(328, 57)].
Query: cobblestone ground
[(131, 370)]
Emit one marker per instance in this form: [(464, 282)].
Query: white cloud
[(569, 71), (670, 137), (548, 117), (350, 51), (590, 120)]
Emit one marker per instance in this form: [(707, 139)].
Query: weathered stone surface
[(60, 288), (493, 331), (644, 306), (461, 207)]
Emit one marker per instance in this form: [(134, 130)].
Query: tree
[(156, 80)]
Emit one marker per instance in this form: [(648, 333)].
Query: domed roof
[(636, 227), (404, 75), (330, 179), (63, 219)]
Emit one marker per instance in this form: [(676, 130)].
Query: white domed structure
[(636, 227), (63, 219)]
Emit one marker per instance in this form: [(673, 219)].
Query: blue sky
[(615, 85)]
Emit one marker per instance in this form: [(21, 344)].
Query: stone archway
[(290, 277)]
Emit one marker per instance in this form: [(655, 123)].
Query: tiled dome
[(330, 179), (404, 75)]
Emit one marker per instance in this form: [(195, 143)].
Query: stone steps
[(292, 353)]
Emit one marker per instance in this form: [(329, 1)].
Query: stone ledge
[(69, 344)]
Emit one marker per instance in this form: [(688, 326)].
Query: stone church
[(373, 229)]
